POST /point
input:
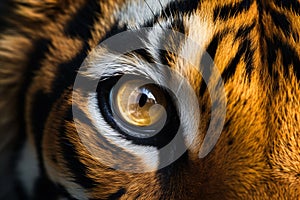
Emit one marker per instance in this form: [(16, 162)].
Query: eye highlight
[(138, 104)]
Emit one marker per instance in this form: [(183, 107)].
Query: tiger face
[(144, 99)]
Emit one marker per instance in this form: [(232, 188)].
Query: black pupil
[(143, 100)]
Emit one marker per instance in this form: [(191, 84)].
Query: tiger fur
[(255, 46)]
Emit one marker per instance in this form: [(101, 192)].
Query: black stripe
[(115, 29), (296, 36), (39, 101), (118, 194), (164, 56), (81, 25), (281, 22), (64, 193), (41, 49), (206, 62), (229, 11), (203, 88), (145, 55), (244, 31), (154, 20), (44, 189), (292, 5), (7, 10), (67, 72), (289, 56), (271, 54), (181, 7), (249, 54), (71, 156), (206, 66), (41, 106), (178, 25), (65, 75), (173, 9), (43, 102), (231, 68), (104, 143), (213, 45)]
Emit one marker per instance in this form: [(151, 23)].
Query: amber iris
[(138, 104)]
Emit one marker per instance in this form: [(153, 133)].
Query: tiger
[(150, 99)]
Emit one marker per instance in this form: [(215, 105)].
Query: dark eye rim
[(166, 134)]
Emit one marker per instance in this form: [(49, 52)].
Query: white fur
[(200, 32), (137, 12), (149, 155)]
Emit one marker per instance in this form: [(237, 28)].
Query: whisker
[(162, 8), (153, 14)]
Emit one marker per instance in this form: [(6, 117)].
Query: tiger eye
[(140, 105)]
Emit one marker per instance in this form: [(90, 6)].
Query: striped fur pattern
[(255, 45)]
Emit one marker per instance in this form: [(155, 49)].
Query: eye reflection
[(139, 105)]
